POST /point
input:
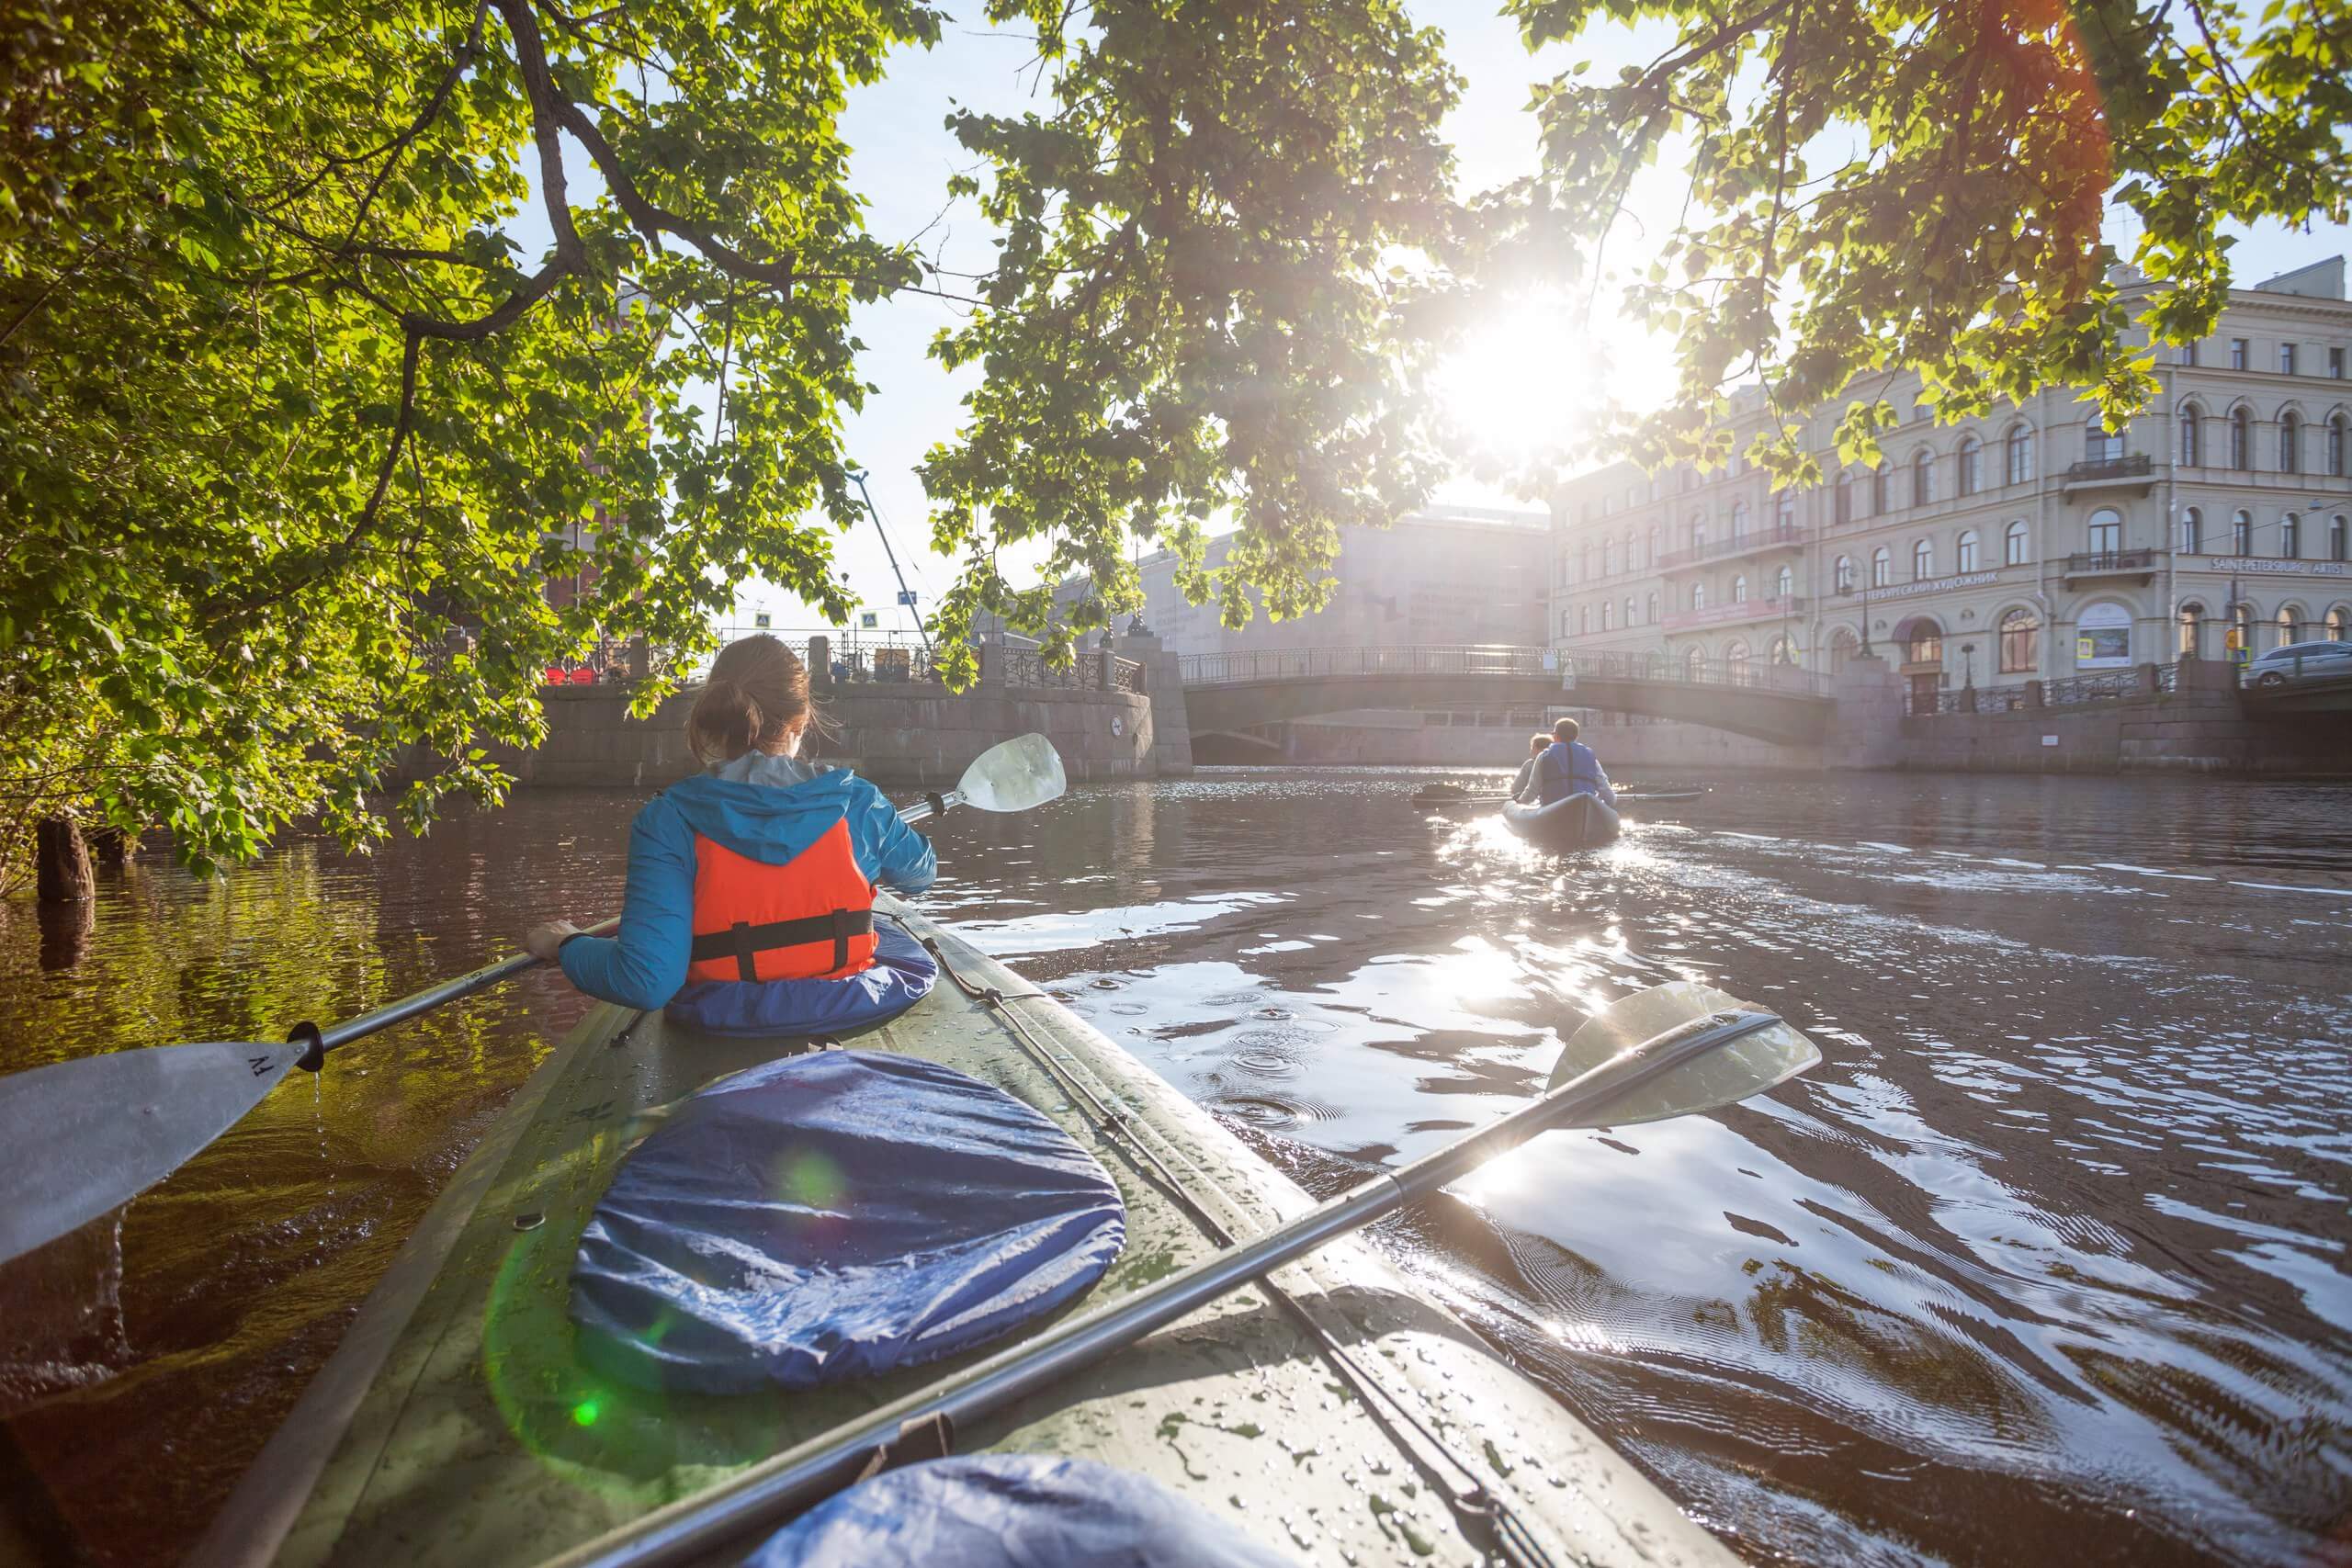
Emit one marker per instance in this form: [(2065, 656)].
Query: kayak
[(1573, 822), (1645, 796), (1337, 1413)]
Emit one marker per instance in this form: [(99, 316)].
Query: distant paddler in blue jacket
[(750, 908), (1569, 767)]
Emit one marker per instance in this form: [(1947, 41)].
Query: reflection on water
[(2047, 1260)]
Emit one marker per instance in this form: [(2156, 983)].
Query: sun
[(1523, 384)]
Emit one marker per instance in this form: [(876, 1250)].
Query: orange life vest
[(811, 919)]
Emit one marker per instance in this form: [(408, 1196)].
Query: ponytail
[(758, 692)]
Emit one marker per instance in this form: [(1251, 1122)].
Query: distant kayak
[(1576, 822)]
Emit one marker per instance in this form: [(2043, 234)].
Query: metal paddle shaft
[(769, 1492)]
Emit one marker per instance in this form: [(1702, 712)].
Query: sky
[(902, 155)]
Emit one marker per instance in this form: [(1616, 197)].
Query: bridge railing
[(1306, 663), (1751, 674)]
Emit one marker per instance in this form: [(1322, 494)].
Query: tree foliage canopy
[(294, 434)]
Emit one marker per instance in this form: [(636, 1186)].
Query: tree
[(1883, 185)]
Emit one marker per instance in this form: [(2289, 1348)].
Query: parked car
[(2300, 662)]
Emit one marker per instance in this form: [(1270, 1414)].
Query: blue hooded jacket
[(771, 809), (1569, 767)]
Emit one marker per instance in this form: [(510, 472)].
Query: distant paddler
[(750, 904), (1536, 744), (1567, 767)]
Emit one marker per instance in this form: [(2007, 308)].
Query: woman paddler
[(750, 908)]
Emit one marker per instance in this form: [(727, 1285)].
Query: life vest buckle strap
[(743, 941)]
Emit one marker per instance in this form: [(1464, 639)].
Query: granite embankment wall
[(2200, 725), (1404, 741)]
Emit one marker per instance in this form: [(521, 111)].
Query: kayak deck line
[(456, 1425)]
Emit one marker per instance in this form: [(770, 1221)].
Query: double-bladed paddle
[(79, 1138), (1665, 1052)]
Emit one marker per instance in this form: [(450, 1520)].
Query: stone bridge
[(1232, 693)]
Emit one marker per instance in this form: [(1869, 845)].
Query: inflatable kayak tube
[(458, 1424), (1573, 822)]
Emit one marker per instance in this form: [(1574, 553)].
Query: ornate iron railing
[(2084, 563), (1027, 667), (1126, 675), (2102, 687), (1752, 674), (1733, 544), (2131, 466), (1301, 663)]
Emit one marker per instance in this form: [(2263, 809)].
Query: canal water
[(2046, 1262)]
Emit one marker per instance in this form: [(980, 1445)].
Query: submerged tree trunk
[(61, 874)]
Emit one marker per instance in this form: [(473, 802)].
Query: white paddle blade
[(1747, 1066), (1014, 776), (80, 1138)]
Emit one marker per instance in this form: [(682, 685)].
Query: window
[(2335, 530), (2020, 449), (2242, 535), (1923, 560), (2291, 537), (1629, 614), (1608, 506), (2241, 624), (2103, 638), (2237, 354), (2284, 626), (1843, 645), (1628, 556), (1784, 512), (1693, 662), (1698, 595), (2193, 617), (1972, 464), (2192, 533), (1735, 658), (2291, 444), (2286, 360), (1583, 563), (1698, 535), (1882, 487), (1925, 645), (1845, 504), (1608, 617), (1649, 610), (2185, 353), (2020, 642), (2335, 365), (1584, 620), (2336, 445), (1738, 521), (1649, 547), (2241, 439), (1923, 479), (1882, 566), (2192, 429), (2101, 445), (1843, 574), (1783, 652), (2333, 628), (1967, 562), (2106, 536), (1783, 584), (1607, 557), (1739, 589), (1568, 623), (2013, 545)]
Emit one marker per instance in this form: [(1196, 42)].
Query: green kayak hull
[(456, 1425)]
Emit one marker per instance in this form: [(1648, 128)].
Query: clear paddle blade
[(80, 1137), (1749, 1065), (1014, 776)]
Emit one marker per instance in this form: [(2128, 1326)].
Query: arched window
[(1738, 521), (2192, 533), (2020, 642), (2242, 535), (1882, 566), (2291, 537), (1739, 589), (2103, 638), (1924, 643), (1735, 659), (1608, 617), (1607, 557), (1923, 560), (1784, 512), (1845, 504), (2333, 628), (1583, 563), (2193, 622), (1698, 535), (1783, 584), (1649, 547), (1698, 595), (2192, 436), (2290, 444), (2336, 445), (2242, 623), (1694, 663), (1843, 579), (1782, 652), (1568, 623), (1879, 488), (1584, 620), (1972, 464), (1923, 479), (1966, 560), (2013, 543), (2240, 439), (2290, 618), (1629, 612), (2105, 533), (1649, 610), (2101, 445), (2336, 540), (2019, 450), (1843, 645)]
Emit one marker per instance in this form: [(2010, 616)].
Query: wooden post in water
[(62, 872)]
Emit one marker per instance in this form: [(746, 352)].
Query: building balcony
[(1725, 549), (2108, 565), (1736, 613), (2133, 471)]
